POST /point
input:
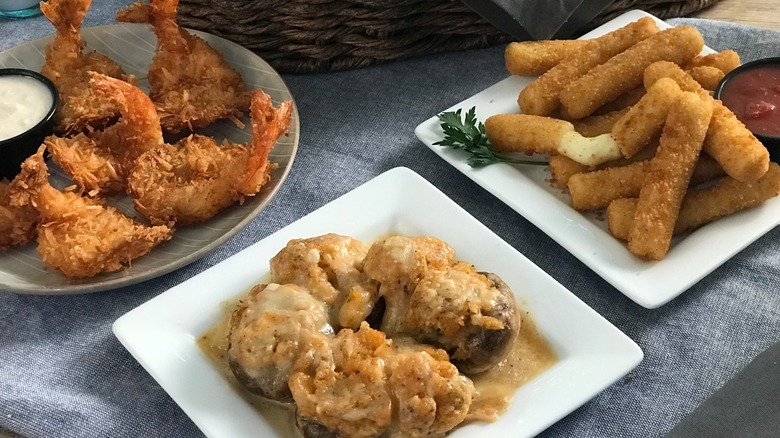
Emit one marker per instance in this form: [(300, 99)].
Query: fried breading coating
[(741, 154), (17, 223), (562, 168), (532, 134), (189, 81), (708, 77), (101, 161), (725, 61), (595, 125), (195, 179), (623, 72), (541, 97), (597, 189), (79, 236), (645, 119), (701, 207), (668, 177), (81, 108), (532, 58), (625, 100)]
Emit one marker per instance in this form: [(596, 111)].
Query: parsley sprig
[(468, 135)]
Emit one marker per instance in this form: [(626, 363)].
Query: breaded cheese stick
[(708, 77), (645, 119), (526, 133), (597, 189), (532, 58), (625, 100), (624, 71), (540, 97), (741, 154), (594, 190), (562, 167), (703, 206), (595, 125), (668, 176), (724, 61), (545, 135)]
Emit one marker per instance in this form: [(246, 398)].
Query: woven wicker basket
[(318, 35)]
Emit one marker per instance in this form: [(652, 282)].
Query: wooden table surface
[(761, 13)]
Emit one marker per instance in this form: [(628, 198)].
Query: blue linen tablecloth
[(64, 374)]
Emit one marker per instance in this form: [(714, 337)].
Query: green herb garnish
[(468, 135)]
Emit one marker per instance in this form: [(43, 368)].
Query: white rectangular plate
[(162, 333), (527, 189)]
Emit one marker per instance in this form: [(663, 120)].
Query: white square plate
[(162, 333), (527, 189)]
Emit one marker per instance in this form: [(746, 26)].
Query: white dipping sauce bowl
[(28, 102)]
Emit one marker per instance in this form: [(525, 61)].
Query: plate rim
[(625, 353), (129, 279)]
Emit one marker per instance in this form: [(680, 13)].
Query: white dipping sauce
[(24, 101)]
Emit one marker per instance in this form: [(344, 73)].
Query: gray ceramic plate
[(132, 46)]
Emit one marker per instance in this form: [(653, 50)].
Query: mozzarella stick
[(597, 189), (625, 100), (526, 133), (540, 97), (532, 58), (703, 206), (645, 119), (668, 176), (708, 77), (593, 126), (741, 154), (562, 168), (624, 71), (724, 61), (545, 135), (594, 190)]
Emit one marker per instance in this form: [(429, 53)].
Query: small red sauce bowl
[(16, 149), (752, 92)]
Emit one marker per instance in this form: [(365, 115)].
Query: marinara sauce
[(754, 97)]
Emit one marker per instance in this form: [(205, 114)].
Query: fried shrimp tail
[(17, 222), (101, 161), (189, 81), (80, 107), (193, 180), (78, 236)]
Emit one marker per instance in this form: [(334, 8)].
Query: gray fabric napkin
[(64, 374)]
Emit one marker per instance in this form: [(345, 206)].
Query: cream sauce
[(24, 101)]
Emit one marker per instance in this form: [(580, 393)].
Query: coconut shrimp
[(17, 223), (101, 161), (193, 180), (80, 107), (190, 82), (79, 236)]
